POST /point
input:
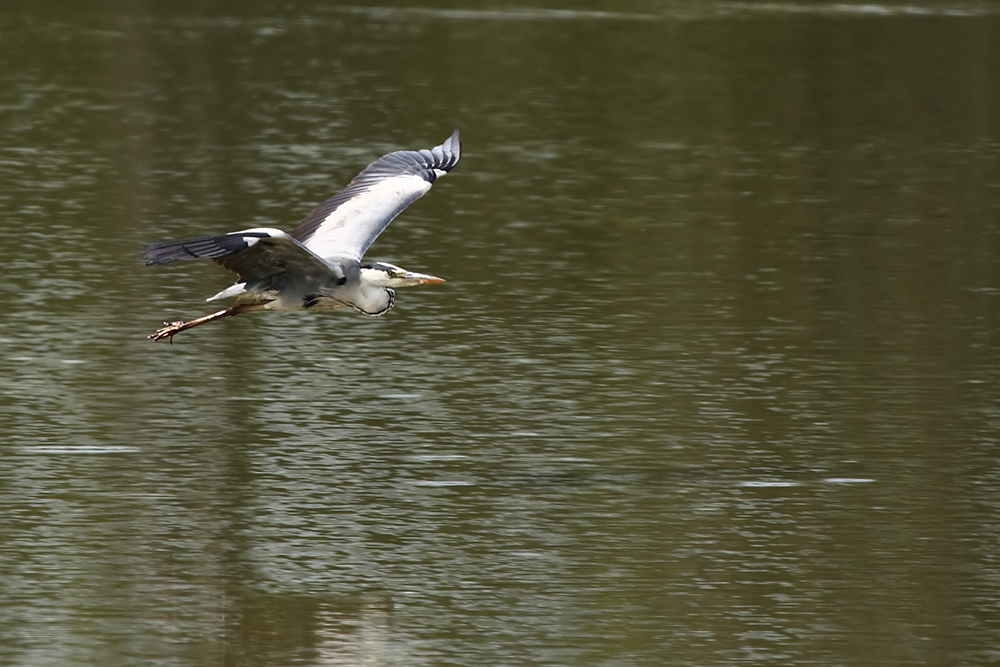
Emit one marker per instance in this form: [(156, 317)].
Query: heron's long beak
[(411, 278)]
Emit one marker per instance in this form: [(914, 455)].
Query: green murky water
[(713, 380)]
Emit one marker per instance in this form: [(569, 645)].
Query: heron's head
[(381, 274)]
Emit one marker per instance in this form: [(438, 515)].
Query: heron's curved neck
[(372, 300)]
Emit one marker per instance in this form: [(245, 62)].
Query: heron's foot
[(168, 331)]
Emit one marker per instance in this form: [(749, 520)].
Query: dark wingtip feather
[(208, 247), (453, 146), (445, 156), (161, 252)]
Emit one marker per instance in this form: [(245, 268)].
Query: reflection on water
[(712, 381)]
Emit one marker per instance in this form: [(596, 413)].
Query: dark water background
[(713, 381)]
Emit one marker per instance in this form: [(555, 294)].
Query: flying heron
[(318, 265)]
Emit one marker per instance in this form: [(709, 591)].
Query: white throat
[(373, 297)]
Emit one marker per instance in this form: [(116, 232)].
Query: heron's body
[(318, 265)]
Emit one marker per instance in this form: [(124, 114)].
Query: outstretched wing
[(348, 222), (255, 255)]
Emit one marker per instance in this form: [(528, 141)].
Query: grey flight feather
[(207, 247), (346, 224), (262, 258)]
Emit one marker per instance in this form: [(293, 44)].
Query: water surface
[(713, 379)]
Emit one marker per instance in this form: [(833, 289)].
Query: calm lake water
[(713, 380)]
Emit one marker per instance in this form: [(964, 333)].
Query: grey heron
[(318, 265)]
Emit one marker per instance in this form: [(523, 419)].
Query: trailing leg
[(173, 328)]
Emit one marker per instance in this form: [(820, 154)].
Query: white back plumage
[(346, 224)]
